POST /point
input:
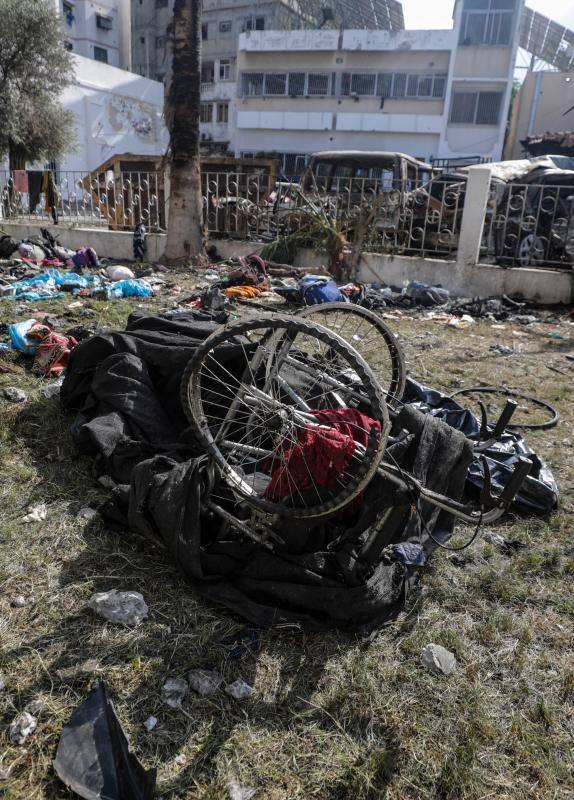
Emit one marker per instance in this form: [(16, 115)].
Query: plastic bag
[(320, 290), (19, 339), (130, 288)]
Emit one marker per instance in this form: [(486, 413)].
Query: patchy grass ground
[(331, 717)]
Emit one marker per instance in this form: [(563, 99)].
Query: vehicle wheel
[(255, 392), (531, 250)]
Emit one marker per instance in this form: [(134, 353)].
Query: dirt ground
[(331, 716)]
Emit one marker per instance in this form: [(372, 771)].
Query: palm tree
[(185, 224)]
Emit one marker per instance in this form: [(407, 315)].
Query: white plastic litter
[(205, 681), (122, 608), (19, 601), (36, 513), (22, 727), (14, 395), (239, 689), (52, 390), (118, 273), (238, 791), (150, 723), (173, 691), (438, 659)]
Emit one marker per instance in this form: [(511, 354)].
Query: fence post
[(166, 193), (477, 191)]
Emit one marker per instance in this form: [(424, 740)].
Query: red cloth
[(320, 456), (53, 349)]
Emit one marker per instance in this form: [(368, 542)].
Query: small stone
[(238, 791), (36, 513), (122, 608), (88, 513), (494, 538), (173, 691), (205, 681), (2, 681), (22, 727), (107, 482), (239, 689), (438, 659), (5, 773), (15, 395), (19, 601), (150, 723), (180, 760), (89, 666)]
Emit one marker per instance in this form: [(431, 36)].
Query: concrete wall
[(115, 112), (542, 105), (479, 280)]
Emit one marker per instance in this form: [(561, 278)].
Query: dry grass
[(331, 716)]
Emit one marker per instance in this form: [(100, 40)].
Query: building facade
[(544, 104), (98, 30), (433, 94)]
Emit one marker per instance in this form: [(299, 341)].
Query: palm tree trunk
[(185, 222)]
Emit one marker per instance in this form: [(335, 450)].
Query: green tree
[(34, 68)]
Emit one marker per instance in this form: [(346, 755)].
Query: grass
[(331, 716)]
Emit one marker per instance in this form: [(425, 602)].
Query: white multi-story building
[(430, 93), (98, 30)]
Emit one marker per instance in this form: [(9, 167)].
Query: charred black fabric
[(124, 387), (538, 493)]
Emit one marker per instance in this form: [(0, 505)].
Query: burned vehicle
[(417, 208), (533, 223)]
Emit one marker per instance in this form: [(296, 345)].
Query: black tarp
[(124, 387)]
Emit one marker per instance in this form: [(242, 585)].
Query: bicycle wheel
[(290, 412), (370, 337)]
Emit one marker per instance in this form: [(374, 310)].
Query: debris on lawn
[(244, 642), (174, 691), (88, 513), (205, 681), (22, 726), (36, 513), (239, 689), (19, 601), (150, 724), (238, 791), (51, 390), (93, 758), (121, 608), (438, 659), (14, 395)]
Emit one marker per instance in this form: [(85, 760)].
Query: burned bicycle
[(298, 428)]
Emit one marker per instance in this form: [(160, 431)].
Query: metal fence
[(116, 200), (530, 225), (409, 217)]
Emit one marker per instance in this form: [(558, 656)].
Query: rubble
[(121, 608), (173, 692), (150, 724), (14, 395), (36, 513), (438, 659), (239, 689), (239, 791), (205, 681), (21, 727)]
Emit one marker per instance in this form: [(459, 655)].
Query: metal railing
[(409, 217), (530, 225), (119, 201)]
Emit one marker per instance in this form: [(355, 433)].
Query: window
[(101, 54), (225, 26), (252, 83), (104, 23), (318, 84), (388, 84), (224, 69), (206, 112), (159, 42), (486, 22), (68, 12), (223, 112), (253, 24), (207, 71), (142, 39), (204, 31), (68, 46), (161, 3), (276, 83), (475, 108), (296, 84)]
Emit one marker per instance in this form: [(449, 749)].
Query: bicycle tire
[(192, 403)]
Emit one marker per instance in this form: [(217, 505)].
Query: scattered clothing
[(139, 242)]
